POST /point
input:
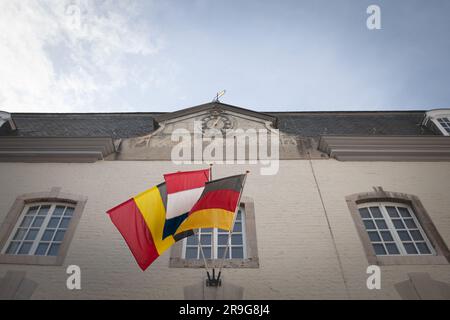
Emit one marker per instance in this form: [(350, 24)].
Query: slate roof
[(308, 124), (313, 124), (115, 125)]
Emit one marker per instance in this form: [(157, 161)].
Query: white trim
[(42, 228), (434, 115), (399, 243)]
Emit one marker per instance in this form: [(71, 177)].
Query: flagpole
[(232, 228), (198, 238), (201, 251)]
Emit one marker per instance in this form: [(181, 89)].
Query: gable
[(222, 116)]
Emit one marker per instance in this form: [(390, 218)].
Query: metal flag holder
[(211, 280)]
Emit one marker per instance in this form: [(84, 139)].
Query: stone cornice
[(51, 149), (386, 148)]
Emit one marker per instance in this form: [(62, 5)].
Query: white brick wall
[(297, 255)]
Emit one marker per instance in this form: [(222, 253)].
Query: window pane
[(69, 212), (381, 224), (410, 223), (205, 239), (392, 212), (43, 210), (237, 227), (206, 230), (374, 237), (37, 222), (64, 223), (191, 252), (423, 248), (26, 221), (221, 252), (386, 235), (398, 224), (32, 211), (222, 239), (222, 231), (392, 248), (404, 212), (53, 251), (12, 247), (48, 235), (364, 212), (59, 236), (58, 211), (32, 234), (404, 236), (379, 249), (410, 248), (238, 215), (192, 240), (207, 252), (237, 252), (53, 223), (369, 224), (236, 239), (376, 213), (20, 234), (25, 248), (41, 249), (416, 235)]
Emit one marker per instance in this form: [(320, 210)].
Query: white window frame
[(447, 122), (215, 242), (42, 228), (434, 116), (382, 206)]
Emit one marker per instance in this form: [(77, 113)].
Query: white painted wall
[(297, 256)]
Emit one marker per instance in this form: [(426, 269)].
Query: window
[(393, 229), (214, 242), (445, 123), (40, 229), (241, 245), (438, 121)]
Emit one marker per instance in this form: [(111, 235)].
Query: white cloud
[(58, 56)]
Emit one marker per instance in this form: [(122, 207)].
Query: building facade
[(331, 194)]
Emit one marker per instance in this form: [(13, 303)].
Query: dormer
[(7, 124), (438, 120)]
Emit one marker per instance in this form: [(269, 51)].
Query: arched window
[(39, 228), (396, 229)]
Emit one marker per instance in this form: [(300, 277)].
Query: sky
[(151, 56)]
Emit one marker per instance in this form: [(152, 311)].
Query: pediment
[(232, 115)]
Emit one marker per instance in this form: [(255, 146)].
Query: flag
[(183, 191), (141, 220), (216, 206)]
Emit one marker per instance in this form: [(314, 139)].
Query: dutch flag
[(183, 191)]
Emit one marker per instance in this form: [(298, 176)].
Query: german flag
[(141, 221), (216, 205)]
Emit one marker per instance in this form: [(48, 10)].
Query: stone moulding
[(386, 148), (54, 149)]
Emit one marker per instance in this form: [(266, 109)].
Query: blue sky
[(105, 56)]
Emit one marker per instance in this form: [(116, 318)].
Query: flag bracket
[(212, 281)]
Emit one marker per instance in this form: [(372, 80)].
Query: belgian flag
[(141, 221), (216, 205)]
